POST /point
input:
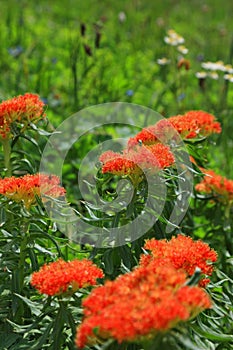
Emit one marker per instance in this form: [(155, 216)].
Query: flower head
[(190, 125), (173, 39), (25, 189), (229, 77), (213, 75), (228, 68), (22, 110), (117, 164), (201, 75), (138, 159), (138, 305), (163, 61), (182, 49), (214, 66), (163, 131), (219, 186), (61, 276), (159, 155), (182, 252), (195, 123)]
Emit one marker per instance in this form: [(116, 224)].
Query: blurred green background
[(81, 53)]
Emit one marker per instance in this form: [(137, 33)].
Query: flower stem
[(21, 265), (7, 156), (227, 228), (20, 271)]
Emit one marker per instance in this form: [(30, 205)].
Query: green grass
[(51, 30), (54, 63)]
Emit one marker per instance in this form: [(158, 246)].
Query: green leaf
[(43, 132), (43, 339), (34, 306), (212, 335), (58, 328), (18, 328), (33, 258), (188, 344), (7, 340), (194, 278), (42, 249), (126, 255), (30, 139), (46, 235)]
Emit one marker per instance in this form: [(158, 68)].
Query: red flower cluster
[(190, 125), (117, 164), (26, 188), (60, 276), (162, 131), (195, 123), (182, 253), (139, 304), (218, 185), (136, 157), (22, 109), (137, 160)]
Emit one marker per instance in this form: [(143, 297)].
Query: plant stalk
[(7, 156)]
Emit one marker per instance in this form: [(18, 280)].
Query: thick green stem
[(22, 257), (59, 324), (154, 343), (7, 156), (20, 272), (23, 248), (227, 228)]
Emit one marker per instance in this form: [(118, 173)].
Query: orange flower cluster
[(218, 185), (140, 304), (182, 253), (190, 125), (65, 277), (162, 131), (136, 157), (22, 110), (195, 123), (26, 188), (137, 160), (117, 164)]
